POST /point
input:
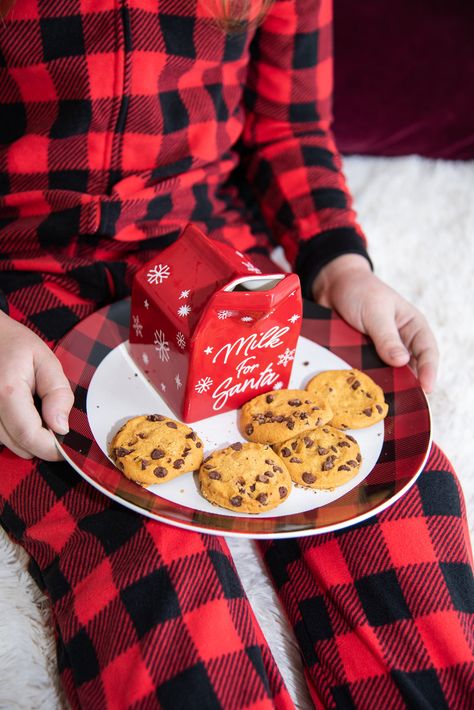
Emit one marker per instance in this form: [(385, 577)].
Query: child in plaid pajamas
[(121, 120)]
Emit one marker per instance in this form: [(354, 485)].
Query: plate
[(109, 388)]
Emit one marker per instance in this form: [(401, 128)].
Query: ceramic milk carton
[(209, 330)]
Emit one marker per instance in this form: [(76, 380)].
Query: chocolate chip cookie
[(248, 478), (154, 449), (323, 458), (355, 399), (275, 416)]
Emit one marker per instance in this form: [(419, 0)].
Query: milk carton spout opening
[(255, 283)]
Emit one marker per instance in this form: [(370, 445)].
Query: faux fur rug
[(419, 217)]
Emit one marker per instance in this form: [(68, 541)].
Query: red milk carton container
[(209, 330)]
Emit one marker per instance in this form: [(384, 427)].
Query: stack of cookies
[(293, 436)]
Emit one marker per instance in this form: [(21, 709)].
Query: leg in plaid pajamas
[(149, 615)]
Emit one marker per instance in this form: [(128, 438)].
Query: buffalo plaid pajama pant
[(148, 615)]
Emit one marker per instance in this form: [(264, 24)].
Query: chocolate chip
[(237, 446), (328, 464), (279, 419), (367, 412), (315, 409), (215, 475), (350, 379), (155, 418), (269, 398), (295, 402), (294, 445), (285, 451), (278, 469), (241, 481), (179, 463), (192, 435), (343, 443), (295, 459), (141, 435), (252, 487), (172, 425), (356, 385), (379, 408), (343, 468), (269, 474), (160, 472), (249, 430), (144, 464), (261, 478), (308, 477), (262, 498), (352, 463), (359, 458), (308, 442), (157, 454), (122, 452), (290, 424), (333, 448), (351, 438), (236, 501), (322, 451), (270, 462), (282, 491), (198, 445)]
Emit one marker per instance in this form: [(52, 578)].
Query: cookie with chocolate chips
[(323, 458), (275, 416), (154, 449), (355, 399), (247, 478)]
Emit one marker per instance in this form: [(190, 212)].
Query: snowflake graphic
[(177, 379), (158, 274), (163, 387), (286, 357), (162, 346), (184, 311), (137, 327), (278, 386), (203, 385), (184, 294), (145, 358), (247, 319), (251, 267), (181, 340), (146, 304), (293, 318), (222, 315), (208, 350)]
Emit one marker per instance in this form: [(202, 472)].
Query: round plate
[(109, 388)]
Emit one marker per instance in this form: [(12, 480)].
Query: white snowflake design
[(161, 346), (251, 267), (137, 327), (184, 311), (286, 357), (163, 387), (158, 274), (145, 358), (177, 379), (208, 350), (222, 315), (203, 385), (181, 340), (184, 294), (247, 319), (146, 304), (293, 318), (278, 386)]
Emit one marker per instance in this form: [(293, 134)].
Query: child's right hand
[(28, 367)]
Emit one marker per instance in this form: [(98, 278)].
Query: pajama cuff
[(320, 250), (4, 303)]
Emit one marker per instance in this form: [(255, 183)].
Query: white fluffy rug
[(419, 217)]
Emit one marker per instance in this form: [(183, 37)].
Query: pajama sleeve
[(289, 154)]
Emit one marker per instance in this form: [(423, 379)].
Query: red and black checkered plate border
[(406, 445)]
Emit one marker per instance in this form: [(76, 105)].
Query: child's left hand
[(399, 331)]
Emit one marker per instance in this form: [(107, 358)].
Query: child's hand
[(28, 366), (399, 331)]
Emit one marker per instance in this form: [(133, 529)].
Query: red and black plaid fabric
[(122, 121)]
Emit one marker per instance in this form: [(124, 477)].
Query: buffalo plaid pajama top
[(120, 121)]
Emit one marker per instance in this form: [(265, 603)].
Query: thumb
[(386, 338), (55, 392)]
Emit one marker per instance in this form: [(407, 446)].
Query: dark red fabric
[(404, 73)]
